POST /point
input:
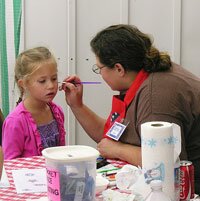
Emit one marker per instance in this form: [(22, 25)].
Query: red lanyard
[(119, 107)]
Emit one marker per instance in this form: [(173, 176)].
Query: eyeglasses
[(97, 69)]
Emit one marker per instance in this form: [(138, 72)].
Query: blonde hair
[(29, 61)]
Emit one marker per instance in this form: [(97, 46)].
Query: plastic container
[(71, 173), (156, 193)]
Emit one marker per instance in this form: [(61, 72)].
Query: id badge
[(116, 130)]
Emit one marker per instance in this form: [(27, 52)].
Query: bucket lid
[(71, 153)]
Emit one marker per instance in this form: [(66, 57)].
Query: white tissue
[(127, 176), (131, 178), (111, 195)]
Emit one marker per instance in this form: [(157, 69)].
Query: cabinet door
[(190, 47), (91, 17)]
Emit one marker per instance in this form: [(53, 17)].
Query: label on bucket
[(53, 184)]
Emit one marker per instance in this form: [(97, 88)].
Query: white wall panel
[(155, 17), (190, 50)]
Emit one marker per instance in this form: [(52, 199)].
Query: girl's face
[(42, 85)]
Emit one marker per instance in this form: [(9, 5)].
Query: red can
[(186, 180)]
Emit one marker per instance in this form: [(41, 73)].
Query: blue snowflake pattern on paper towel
[(170, 140), (152, 142)]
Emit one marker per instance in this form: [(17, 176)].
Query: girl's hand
[(73, 91)]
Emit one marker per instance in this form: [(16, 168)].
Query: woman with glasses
[(151, 88)]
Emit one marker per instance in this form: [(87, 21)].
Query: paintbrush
[(82, 82)]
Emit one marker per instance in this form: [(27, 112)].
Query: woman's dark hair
[(127, 45)]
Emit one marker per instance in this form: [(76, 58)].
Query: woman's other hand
[(109, 148), (117, 150)]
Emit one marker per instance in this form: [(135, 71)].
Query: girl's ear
[(120, 69), (20, 83)]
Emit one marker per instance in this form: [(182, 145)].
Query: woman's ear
[(120, 69)]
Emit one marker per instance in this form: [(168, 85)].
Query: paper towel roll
[(158, 154)]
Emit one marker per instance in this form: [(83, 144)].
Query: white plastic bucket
[(71, 173)]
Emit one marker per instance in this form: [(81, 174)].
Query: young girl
[(36, 123)]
